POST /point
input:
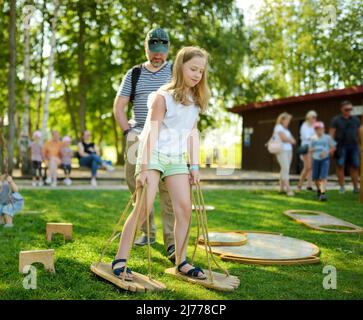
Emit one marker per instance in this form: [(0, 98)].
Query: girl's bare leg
[(179, 190), (127, 232), (306, 172)]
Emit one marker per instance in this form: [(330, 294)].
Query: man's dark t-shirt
[(346, 130)]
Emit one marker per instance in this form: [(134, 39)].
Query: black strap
[(135, 75)]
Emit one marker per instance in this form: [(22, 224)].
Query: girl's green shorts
[(168, 165)]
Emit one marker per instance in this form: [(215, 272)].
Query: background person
[(67, 154), (89, 156), (154, 73), (322, 147), (36, 158), (52, 156), (344, 129), (284, 158), (306, 133)]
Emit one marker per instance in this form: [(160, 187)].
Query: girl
[(36, 157), (284, 157), (170, 136), (66, 158), (10, 200)]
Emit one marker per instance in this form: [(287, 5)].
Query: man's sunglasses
[(158, 41), (348, 109)]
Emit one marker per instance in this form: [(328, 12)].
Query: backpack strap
[(135, 75)]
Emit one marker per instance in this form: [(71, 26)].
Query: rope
[(202, 225), (207, 233)]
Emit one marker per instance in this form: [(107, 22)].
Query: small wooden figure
[(46, 257), (64, 228)]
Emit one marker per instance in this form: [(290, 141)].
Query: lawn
[(94, 214)]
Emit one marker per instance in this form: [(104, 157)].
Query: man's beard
[(157, 64)]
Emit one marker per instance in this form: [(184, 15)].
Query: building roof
[(337, 93)]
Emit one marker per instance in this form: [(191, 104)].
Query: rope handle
[(116, 234)]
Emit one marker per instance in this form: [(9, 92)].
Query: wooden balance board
[(322, 221), (268, 248), (225, 239), (221, 282), (140, 283)]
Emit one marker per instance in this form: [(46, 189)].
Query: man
[(345, 130), (150, 76), (52, 156)]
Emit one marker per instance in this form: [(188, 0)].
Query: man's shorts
[(321, 169), (168, 165), (348, 154)]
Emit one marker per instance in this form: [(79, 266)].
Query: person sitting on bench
[(89, 156)]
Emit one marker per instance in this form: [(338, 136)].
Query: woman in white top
[(306, 133), (169, 137), (284, 157)]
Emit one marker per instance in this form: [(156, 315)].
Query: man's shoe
[(342, 189), (323, 197), (142, 241), (356, 190), (171, 252)]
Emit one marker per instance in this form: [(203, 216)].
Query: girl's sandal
[(195, 272), (118, 272)]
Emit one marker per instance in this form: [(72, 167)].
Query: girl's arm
[(157, 115), (13, 186), (193, 153), (193, 146)]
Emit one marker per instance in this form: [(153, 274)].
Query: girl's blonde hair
[(200, 92), (282, 117)]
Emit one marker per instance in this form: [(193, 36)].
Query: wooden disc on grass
[(322, 221), (225, 239)]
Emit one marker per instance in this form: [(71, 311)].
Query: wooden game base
[(140, 282), (221, 282), (322, 221), (207, 207), (266, 248), (225, 239), (308, 260)]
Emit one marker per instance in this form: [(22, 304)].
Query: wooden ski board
[(140, 282), (322, 221), (221, 282)]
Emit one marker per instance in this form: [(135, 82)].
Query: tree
[(11, 83), (50, 68)]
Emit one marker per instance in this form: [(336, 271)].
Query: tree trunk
[(81, 67), (70, 109), (24, 139), (41, 72), (11, 84), (50, 70)]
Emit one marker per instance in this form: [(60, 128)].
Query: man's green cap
[(157, 40)]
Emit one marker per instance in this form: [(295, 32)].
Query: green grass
[(94, 213)]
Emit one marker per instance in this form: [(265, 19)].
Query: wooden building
[(259, 120)]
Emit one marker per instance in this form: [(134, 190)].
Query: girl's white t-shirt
[(287, 146), (306, 134), (175, 128)]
